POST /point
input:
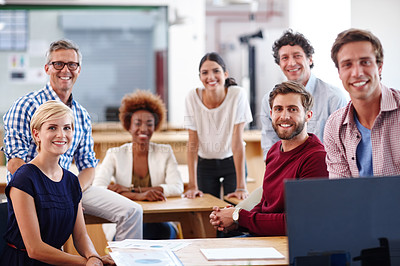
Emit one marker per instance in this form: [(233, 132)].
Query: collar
[(310, 86), (49, 90), (388, 103)]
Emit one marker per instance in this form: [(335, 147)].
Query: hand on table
[(192, 193), (239, 194), (151, 195), (118, 188), (104, 260), (107, 260), (94, 261)]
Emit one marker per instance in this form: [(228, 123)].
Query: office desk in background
[(107, 135), (3, 178), (193, 214)]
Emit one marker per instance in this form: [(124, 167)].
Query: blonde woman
[(44, 200)]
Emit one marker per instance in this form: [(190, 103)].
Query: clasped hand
[(221, 219)]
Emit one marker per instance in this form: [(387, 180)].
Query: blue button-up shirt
[(18, 141)]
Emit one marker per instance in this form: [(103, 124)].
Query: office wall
[(381, 18), (39, 39), (224, 27), (320, 22), (186, 45)]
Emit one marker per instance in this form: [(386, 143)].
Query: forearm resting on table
[(239, 156), (192, 151)]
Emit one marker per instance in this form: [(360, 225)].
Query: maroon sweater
[(268, 218)]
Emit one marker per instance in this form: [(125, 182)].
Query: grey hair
[(63, 44)]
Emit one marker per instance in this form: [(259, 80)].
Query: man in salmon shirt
[(362, 139)]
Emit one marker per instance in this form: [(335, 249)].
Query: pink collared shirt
[(341, 138)]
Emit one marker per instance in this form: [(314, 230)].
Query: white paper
[(145, 257), (241, 253), (148, 244)]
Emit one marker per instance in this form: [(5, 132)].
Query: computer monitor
[(343, 215)]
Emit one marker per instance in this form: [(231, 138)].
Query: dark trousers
[(155, 231), (209, 173)]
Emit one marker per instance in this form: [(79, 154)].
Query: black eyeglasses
[(58, 65)]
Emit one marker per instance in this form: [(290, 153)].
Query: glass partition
[(124, 49)]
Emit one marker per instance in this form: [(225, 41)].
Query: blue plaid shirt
[(18, 141)]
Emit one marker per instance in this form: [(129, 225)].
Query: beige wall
[(382, 18)]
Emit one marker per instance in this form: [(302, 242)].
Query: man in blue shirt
[(293, 53), (63, 67)]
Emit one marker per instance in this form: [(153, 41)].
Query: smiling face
[(294, 63), (212, 75), (358, 70), (289, 117), (55, 135), (142, 127), (63, 80)]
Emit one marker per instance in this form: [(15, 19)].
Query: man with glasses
[(63, 67)]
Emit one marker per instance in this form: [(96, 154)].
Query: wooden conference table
[(191, 254), (3, 178), (193, 214)]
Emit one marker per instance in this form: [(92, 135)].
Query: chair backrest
[(3, 224), (253, 199)]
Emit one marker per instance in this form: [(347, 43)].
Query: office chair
[(3, 224)]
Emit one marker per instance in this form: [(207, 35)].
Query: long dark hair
[(218, 59)]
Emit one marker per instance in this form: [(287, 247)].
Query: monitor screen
[(343, 215)]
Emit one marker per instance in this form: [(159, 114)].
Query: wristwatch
[(235, 215)]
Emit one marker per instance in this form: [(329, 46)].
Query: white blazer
[(163, 168)]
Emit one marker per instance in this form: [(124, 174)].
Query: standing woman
[(44, 200), (215, 117)]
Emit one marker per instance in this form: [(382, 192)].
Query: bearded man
[(297, 155)]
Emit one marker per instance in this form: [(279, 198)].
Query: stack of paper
[(145, 252), (241, 253), (147, 244), (145, 257)]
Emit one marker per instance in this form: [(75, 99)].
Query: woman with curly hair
[(142, 170)]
